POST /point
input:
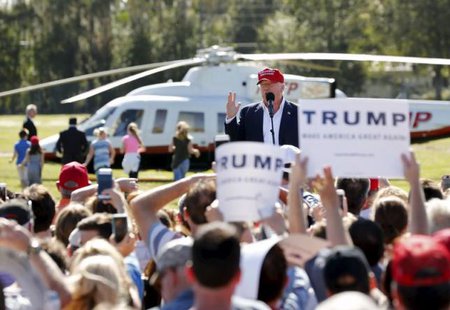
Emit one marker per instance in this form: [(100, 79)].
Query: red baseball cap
[(271, 75), (73, 176), (420, 261), (443, 237), (34, 140)]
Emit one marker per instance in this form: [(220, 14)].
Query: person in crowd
[(351, 300), (346, 269), (431, 189), (445, 183), (72, 143), (200, 189), (20, 151), (392, 190), (30, 113), (101, 150), (368, 237), (392, 216), (132, 145), (181, 147), (67, 220), (100, 246), (438, 213), (356, 192), (421, 272), (215, 270), (43, 207), (94, 280), (34, 161), (176, 290), (18, 238), (254, 123), (58, 253), (99, 225), (72, 176)]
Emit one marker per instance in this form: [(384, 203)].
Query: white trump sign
[(357, 137), (248, 179)]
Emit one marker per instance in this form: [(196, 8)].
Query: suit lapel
[(259, 116), (285, 122)]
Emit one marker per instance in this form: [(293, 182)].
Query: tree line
[(45, 40)]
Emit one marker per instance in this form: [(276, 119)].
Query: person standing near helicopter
[(182, 148), (101, 150), (132, 145), (273, 120)]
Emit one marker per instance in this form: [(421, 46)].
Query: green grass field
[(434, 156), (48, 125)]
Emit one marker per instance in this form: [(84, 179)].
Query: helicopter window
[(96, 120), (160, 121), (221, 122), (90, 130), (195, 119), (127, 116)]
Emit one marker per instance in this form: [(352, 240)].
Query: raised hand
[(411, 168), (232, 107)]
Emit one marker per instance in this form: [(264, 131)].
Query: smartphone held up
[(105, 181), (119, 227)]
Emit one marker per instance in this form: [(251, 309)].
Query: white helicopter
[(200, 98)]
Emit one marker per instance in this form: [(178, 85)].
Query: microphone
[(270, 97)]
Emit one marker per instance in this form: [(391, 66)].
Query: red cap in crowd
[(420, 261), (34, 140), (271, 75), (374, 184), (73, 176), (443, 237)]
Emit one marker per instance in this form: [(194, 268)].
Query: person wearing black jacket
[(72, 143)]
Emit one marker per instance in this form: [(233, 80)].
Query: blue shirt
[(101, 154), (21, 148), (184, 301), (134, 272)]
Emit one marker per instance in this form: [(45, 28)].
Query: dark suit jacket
[(29, 125), (73, 144), (250, 126)]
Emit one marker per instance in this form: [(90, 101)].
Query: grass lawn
[(48, 125), (434, 156)]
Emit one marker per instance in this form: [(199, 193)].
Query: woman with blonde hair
[(132, 146), (100, 247), (182, 148), (101, 150), (95, 280)]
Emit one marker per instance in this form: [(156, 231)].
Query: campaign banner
[(248, 179), (357, 137)]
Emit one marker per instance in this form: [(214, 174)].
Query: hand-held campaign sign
[(358, 137), (248, 179)]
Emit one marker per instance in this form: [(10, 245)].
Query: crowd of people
[(380, 247)]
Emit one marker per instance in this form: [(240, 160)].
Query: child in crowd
[(20, 150), (34, 159), (132, 145)]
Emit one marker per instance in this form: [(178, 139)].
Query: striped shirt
[(101, 154), (158, 236)]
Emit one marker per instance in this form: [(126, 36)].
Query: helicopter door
[(221, 122), (119, 128)]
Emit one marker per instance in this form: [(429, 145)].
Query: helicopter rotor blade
[(85, 77), (103, 88), (346, 57), (307, 65)]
